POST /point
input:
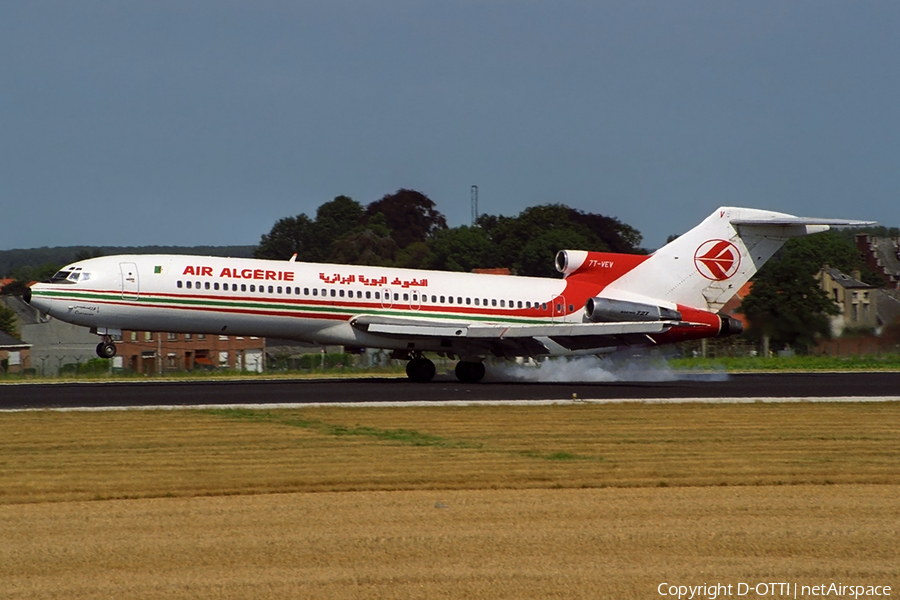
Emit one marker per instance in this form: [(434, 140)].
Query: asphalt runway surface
[(761, 386)]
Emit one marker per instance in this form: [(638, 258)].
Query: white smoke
[(595, 369)]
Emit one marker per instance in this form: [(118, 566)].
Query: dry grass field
[(576, 501)]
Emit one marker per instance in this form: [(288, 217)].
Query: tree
[(311, 240), (333, 220), (411, 216), (786, 303), (787, 306), (288, 236), (528, 243), (8, 321), (462, 249), (368, 244)]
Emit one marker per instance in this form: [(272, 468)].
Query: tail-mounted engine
[(601, 310), (729, 326)]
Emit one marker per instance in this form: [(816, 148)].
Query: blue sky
[(183, 123)]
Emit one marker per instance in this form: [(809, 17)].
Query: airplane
[(603, 302)]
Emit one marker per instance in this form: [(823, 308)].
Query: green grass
[(874, 362)]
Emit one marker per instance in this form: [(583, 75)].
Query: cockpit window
[(70, 277), (62, 276)]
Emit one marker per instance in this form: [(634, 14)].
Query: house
[(855, 300), (882, 254), (14, 354)]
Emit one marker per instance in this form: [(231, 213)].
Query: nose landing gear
[(106, 349)]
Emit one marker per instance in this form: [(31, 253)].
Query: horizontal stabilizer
[(793, 221)]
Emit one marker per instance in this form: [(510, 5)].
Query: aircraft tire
[(420, 370), (106, 350), (469, 371)]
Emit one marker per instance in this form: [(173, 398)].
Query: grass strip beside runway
[(53, 456), (575, 501)]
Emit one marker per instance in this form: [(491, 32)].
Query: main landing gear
[(420, 369), (469, 371)]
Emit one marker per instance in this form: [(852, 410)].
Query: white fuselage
[(302, 301)]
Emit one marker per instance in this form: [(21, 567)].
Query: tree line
[(405, 229)]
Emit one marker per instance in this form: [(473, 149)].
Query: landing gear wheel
[(420, 370), (469, 372), (106, 349)]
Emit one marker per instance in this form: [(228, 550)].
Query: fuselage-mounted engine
[(608, 310)]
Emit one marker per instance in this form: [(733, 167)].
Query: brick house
[(154, 352), (14, 354)]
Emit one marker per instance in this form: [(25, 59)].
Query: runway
[(875, 386)]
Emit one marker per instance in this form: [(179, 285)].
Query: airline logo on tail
[(717, 259)]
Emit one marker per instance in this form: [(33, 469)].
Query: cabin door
[(130, 281), (558, 308)]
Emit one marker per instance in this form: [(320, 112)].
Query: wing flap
[(425, 327)]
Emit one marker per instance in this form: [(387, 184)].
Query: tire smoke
[(591, 369)]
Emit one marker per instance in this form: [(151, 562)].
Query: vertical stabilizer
[(706, 266)]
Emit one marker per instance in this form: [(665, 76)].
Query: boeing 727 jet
[(604, 301)]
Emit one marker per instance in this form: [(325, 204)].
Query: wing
[(509, 339)]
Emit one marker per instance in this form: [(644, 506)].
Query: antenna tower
[(474, 195)]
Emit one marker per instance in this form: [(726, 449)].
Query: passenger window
[(503, 304), (476, 302), (252, 288), (189, 285), (396, 296), (378, 295), (368, 294), (271, 290), (216, 286), (333, 293), (571, 308), (324, 292), (341, 293), (493, 302), (279, 289), (315, 291), (544, 306), (243, 287), (450, 299), (459, 300), (443, 300), (287, 290), (520, 304), (527, 304), (197, 285), (406, 297), (178, 284), (358, 294), (433, 299), (297, 291)]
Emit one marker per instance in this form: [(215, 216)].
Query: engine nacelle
[(729, 326), (569, 261), (607, 310)]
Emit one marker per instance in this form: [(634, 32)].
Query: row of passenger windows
[(367, 295)]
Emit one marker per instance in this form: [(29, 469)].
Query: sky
[(204, 122)]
